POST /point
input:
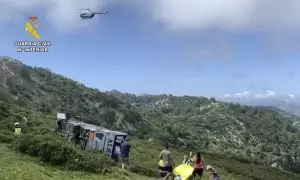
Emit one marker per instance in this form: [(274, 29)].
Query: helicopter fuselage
[(87, 15)]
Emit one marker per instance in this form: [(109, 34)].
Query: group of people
[(166, 165)]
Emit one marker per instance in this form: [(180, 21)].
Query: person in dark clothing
[(76, 135), (161, 169), (59, 125), (125, 150)]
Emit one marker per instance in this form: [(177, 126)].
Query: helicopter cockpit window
[(100, 136)]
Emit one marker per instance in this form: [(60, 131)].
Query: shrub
[(55, 150), (6, 136), (4, 96)]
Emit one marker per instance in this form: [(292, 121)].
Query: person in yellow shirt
[(17, 130)]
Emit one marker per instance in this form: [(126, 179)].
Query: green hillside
[(237, 139), (260, 134), (19, 167), (26, 157)]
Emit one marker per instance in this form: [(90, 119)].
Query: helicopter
[(88, 14)]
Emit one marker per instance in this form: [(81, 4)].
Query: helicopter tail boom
[(104, 12)]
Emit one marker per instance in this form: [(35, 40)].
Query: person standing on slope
[(17, 130), (198, 166), (166, 157), (125, 150)]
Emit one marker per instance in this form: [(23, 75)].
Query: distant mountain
[(284, 103), (257, 134)]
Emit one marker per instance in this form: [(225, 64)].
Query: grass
[(143, 159), (145, 154), (17, 166)]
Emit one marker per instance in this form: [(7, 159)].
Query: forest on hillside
[(257, 134)]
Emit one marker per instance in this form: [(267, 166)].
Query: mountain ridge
[(259, 134), (291, 105)]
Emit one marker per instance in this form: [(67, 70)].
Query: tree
[(109, 116), (4, 96), (44, 108), (25, 73)]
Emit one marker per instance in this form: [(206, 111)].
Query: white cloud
[(63, 14), (226, 14), (270, 93), (238, 95), (292, 96), (278, 19), (226, 95), (267, 94), (243, 94), (176, 15)]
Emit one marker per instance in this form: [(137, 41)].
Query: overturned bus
[(91, 137)]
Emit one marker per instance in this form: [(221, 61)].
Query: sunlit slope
[(143, 158), (14, 166)]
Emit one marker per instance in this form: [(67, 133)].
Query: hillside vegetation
[(260, 134), (251, 134), (31, 155), (15, 166)]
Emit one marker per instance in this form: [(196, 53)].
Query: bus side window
[(100, 136)]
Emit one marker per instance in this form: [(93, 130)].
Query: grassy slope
[(229, 168), (143, 158), (16, 166)]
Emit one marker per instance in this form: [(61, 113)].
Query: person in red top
[(198, 166)]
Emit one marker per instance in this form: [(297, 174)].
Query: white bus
[(92, 137)]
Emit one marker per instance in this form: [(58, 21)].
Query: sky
[(220, 48)]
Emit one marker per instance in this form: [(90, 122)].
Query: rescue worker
[(125, 150), (17, 130), (213, 173), (198, 165), (166, 157)]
